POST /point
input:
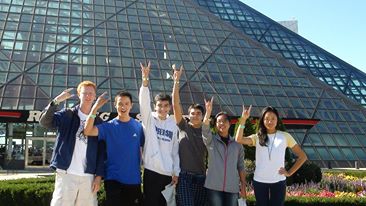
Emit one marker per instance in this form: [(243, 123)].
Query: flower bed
[(334, 189), (331, 186)]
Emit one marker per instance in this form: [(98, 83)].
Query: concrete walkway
[(33, 172)]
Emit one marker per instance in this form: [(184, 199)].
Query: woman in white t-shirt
[(269, 180)]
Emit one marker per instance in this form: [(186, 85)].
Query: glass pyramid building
[(323, 65), (48, 46)]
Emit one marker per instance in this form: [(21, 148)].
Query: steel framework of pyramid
[(48, 46)]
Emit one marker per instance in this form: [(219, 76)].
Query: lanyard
[(271, 146)]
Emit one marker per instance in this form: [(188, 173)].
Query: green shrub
[(308, 172), (32, 192), (38, 192), (35, 191)]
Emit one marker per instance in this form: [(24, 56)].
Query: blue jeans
[(270, 194), (190, 189), (218, 198)]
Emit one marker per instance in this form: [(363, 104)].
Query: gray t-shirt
[(192, 150)]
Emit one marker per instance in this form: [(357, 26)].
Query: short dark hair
[(163, 97), (196, 106), (220, 114), (123, 94)]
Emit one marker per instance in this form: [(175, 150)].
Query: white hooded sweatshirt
[(160, 152)]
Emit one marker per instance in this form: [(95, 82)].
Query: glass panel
[(35, 152), (349, 154), (261, 101), (328, 139), (337, 154), (360, 153), (324, 154), (2, 140), (362, 139), (310, 152), (273, 101), (316, 139), (352, 140), (333, 127), (342, 141)]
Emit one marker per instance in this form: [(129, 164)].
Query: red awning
[(10, 114)]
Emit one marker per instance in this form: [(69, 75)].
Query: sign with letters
[(33, 116)]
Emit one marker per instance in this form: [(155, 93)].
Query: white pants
[(73, 190)]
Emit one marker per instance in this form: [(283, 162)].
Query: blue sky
[(335, 25)]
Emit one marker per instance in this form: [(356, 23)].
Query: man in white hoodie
[(160, 154)]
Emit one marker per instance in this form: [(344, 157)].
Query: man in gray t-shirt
[(192, 151)]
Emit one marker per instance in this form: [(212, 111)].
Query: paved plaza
[(27, 173)]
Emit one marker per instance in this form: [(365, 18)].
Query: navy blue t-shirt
[(123, 142)]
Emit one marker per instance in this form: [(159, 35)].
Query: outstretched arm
[(89, 128), (240, 131), (177, 108)]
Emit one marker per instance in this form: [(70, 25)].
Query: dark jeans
[(122, 194), (190, 189), (154, 183), (219, 198), (270, 194)]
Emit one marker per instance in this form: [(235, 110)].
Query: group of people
[(206, 168)]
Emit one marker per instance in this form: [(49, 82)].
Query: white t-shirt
[(78, 161), (268, 160)]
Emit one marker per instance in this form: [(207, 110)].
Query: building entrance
[(39, 151)]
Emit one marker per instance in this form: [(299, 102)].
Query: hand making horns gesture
[(177, 73), (245, 114), (145, 70)]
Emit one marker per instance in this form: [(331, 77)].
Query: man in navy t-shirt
[(124, 138)]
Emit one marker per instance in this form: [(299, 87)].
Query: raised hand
[(245, 114), (177, 73), (208, 105), (64, 95), (145, 70), (102, 99)]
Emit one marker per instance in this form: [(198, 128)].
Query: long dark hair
[(262, 130)]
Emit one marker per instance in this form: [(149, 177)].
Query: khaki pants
[(73, 190)]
